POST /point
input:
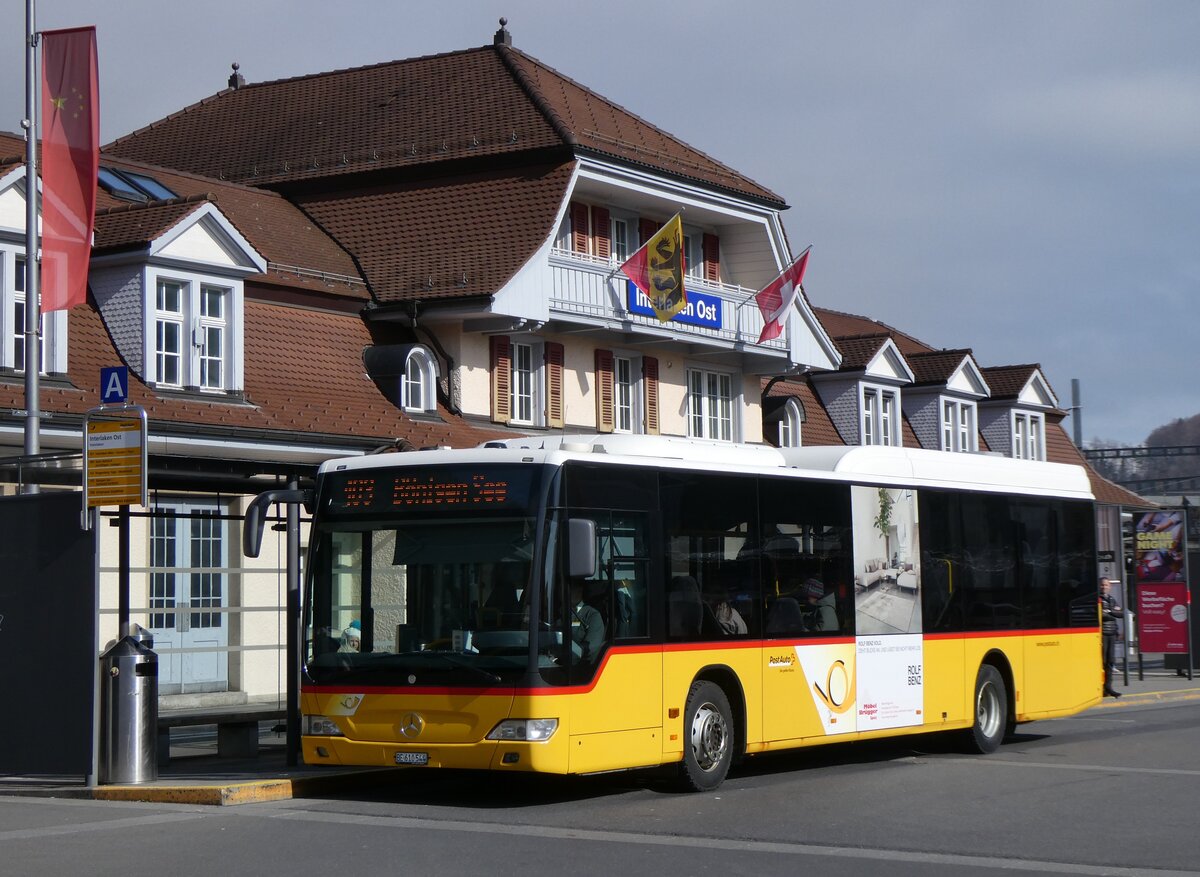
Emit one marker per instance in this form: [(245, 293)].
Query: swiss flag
[(776, 298), (70, 161)]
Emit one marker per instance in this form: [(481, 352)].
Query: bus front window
[(443, 602)]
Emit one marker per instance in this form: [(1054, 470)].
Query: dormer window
[(53, 325), (880, 416), (1028, 431), (419, 393), (958, 426), (789, 425), (194, 335)]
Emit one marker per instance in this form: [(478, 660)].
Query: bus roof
[(866, 464)]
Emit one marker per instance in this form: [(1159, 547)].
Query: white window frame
[(958, 426), (693, 254), (880, 419), (627, 393), (12, 327), (1029, 435), (527, 381), (711, 413), (790, 425), (418, 385), (621, 247), (198, 327)]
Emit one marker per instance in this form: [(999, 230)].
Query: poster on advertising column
[(1160, 575)]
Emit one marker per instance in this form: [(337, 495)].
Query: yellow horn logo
[(846, 701)]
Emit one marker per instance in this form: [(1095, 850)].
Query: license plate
[(412, 758)]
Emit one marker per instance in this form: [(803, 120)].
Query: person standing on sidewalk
[(1109, 613)]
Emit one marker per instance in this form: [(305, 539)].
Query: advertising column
[(1161, 577)]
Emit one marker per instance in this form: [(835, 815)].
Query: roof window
[(131, 186)]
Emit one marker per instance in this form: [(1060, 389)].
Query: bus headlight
[(532, 730), (320, 726)]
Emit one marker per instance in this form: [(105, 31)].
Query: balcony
[(720, 315)]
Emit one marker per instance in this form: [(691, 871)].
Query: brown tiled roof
[(818, 429), (1007, 381), (135, 225), (857, 350), (304, 374), (936, 367), (448, 237), (837, 324), (602, 126), (485, 102), (299, 253), (12, 151)]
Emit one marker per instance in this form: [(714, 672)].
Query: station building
[(425, 253)]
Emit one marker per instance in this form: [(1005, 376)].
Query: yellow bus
[(580, 604)]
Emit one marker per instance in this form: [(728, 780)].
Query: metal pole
[(123, 571), (1076, 414), (293, 629), (33, 347)]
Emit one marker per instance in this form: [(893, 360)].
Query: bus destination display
[(453, 488)]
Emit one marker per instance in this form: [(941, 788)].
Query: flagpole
[(794, 260), (33, 352)]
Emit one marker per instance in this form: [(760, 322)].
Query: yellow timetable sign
[(115, 472)]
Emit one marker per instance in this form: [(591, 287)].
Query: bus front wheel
[(708, 743), (991, 710)]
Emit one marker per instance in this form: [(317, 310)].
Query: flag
[(70, 161), (657, 270), (777, 297)]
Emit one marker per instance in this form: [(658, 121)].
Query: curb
[(1141, 698), (249, 792)]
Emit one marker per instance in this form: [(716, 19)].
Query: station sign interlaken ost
[(115, 471)]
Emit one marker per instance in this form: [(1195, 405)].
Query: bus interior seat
[(785, 616), (685, 609)]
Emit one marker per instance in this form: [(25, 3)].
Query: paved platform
[(195, 774)]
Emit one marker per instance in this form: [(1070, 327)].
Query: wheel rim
[(709, 736), (988, 715)]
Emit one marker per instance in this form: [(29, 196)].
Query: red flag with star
[(70, 161)]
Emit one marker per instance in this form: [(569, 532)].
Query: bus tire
[(990, 724), (708, 738)]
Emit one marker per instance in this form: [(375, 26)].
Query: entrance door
[(188, 591)]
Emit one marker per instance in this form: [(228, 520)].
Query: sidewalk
[(196, 775)]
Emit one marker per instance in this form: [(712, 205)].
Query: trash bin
[(129, 710)]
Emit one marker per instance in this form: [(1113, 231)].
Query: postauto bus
[(578, 604)]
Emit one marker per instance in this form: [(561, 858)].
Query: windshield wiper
[(455, 661)]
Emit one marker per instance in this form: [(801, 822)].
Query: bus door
[(616, 673)]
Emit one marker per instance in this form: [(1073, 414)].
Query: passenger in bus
[(729, 620), (587, 625), (351, 637), (821, 614)]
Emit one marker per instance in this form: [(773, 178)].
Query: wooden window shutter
[(650, 381), (554, 385), (712, 258), (601, 232), (579, 227), (605, 415), (501, 379), (646, 230)]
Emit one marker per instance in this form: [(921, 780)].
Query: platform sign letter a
[(114, 384)]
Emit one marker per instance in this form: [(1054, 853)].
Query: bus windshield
[(422, 602)]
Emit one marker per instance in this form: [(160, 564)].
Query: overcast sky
[(1020, 178)]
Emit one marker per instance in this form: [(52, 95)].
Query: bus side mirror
[(581, 545), (252, 527)]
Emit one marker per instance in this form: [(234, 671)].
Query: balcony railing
[(718, 313)]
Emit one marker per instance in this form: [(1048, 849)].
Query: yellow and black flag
[(657, 270)]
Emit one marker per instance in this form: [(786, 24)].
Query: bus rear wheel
[(709, 739), (991, 711)]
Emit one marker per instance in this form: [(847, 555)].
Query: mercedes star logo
[(411, 725)]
